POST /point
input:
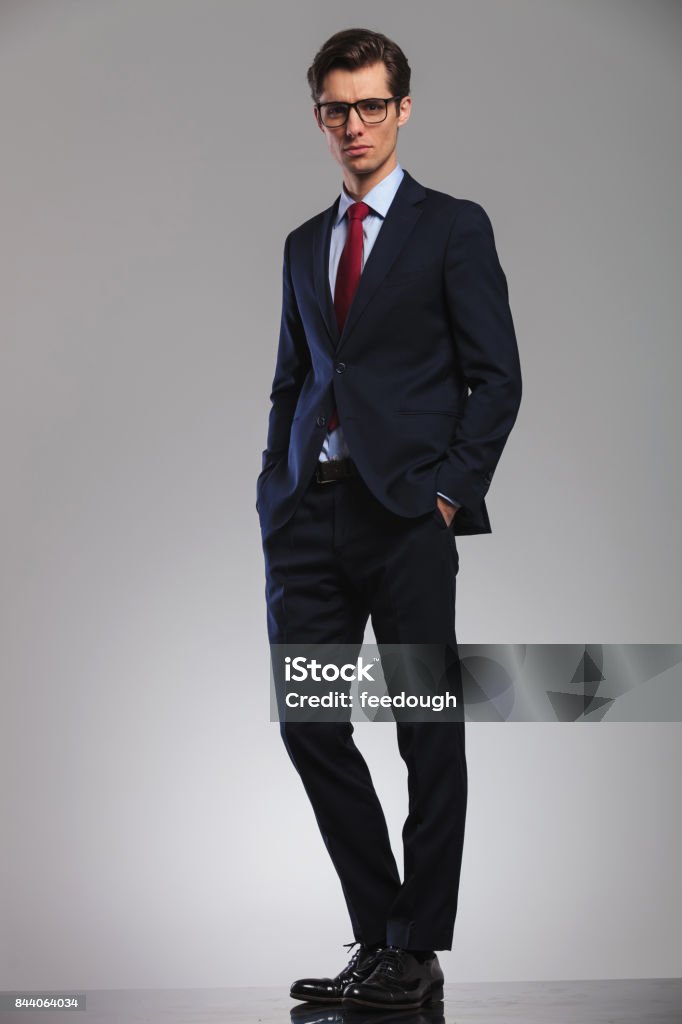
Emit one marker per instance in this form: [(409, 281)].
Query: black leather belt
[(335, 469)]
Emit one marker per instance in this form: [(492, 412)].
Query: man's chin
[(362, 165)]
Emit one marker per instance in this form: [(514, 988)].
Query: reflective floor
[(639, 1001)]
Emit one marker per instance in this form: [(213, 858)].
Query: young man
[(396, 386)]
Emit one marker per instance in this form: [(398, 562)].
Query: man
[(397, 383)]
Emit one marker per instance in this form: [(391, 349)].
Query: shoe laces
[(356, 955), (359, 953), (390, 961)]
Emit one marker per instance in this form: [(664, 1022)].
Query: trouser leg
[(412, 590), (311, 600)]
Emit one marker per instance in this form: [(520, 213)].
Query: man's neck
[(358, 185)]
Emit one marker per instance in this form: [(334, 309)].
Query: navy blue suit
[(430, 320), (426, 379)]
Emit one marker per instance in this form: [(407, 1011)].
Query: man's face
[(361, 148)]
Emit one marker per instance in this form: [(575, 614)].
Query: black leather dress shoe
[(398, 981), (330, 990)]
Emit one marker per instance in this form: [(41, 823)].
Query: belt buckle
[(320, 480)]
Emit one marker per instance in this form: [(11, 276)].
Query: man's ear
[(405, 109), (316, 115)]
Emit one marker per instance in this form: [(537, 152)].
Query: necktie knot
[(358, 211)]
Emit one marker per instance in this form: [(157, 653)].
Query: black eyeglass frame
[(343, 103)]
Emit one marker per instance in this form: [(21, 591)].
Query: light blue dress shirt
[(379, 200)]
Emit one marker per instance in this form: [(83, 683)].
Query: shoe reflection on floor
[(309, 1013)]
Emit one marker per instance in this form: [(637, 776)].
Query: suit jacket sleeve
[(486, 348), (291, 369)]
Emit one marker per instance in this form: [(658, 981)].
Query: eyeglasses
[(371, 111)]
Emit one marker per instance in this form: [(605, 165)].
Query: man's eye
[(370, 105), (335, 111)]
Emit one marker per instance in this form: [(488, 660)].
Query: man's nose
[(354, 124)]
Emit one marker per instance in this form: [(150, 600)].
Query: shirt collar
[(378, 198)]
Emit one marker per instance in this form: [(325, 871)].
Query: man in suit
[(397, 383)]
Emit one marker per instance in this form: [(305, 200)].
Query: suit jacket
[(425, 374)]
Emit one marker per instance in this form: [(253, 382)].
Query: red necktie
[(348, 274)]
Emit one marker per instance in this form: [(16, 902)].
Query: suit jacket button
[(340, 367), (321, 420)]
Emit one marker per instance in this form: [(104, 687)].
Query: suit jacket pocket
[(268, 460), (407, 277)]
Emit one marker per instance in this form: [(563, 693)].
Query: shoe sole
[(434, 996), (328, 1000)]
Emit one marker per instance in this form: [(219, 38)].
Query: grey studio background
[(155, 155)]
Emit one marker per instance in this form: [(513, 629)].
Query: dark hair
[(357, 48)]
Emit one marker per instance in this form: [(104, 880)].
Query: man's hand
[(447, 510)]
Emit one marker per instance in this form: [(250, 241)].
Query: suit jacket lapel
[(323, 234), (403, 214)]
